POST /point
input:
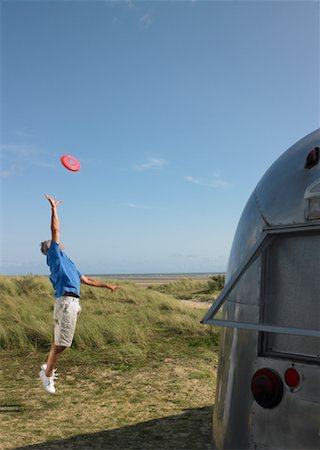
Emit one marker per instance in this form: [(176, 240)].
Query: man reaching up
[(66, 280)]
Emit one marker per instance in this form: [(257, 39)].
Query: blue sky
[(175, 111)]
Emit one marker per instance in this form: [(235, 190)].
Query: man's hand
[(55, 226), (112, 287), (53, 203)]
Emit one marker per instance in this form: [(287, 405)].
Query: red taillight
[(267, 388), (312, 158), (292, 378)]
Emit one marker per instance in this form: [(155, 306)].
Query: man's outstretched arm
[(96, 283), (55, 226)]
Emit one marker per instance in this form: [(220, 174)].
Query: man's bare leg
[(53, 356)]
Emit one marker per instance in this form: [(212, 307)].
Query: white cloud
[(130, 4), (135, 206), (152, 163), (24, 133), (217, 182), (18, 157), (146, 20), (18, 149), (45, 165)]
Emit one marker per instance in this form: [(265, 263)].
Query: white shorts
[(66, 313)]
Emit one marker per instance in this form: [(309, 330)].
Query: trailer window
[(292, 294), (276, 291)]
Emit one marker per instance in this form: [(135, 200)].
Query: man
[(66, 280)]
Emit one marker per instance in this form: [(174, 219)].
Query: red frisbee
[(70, 163)]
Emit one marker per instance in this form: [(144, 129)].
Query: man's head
[(44, 247)]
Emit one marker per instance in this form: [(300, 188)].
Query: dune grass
[(132, 321), (188, 288), (138, 355)]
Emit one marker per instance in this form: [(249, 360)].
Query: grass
[(190, 289), (139, 355)]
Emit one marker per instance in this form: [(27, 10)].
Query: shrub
[(216, 283)]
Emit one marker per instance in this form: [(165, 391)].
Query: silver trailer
[(268, 383)]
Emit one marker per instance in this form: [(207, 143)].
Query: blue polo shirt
[(64, 277)]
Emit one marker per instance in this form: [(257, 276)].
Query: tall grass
[(188, 288), (133, 322)]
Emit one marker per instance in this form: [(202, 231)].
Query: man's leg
[(53, 356)]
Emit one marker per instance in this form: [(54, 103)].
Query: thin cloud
[(19, 157), (151, 164), (20, 150), (24, 133), (130, 4), (45, 165), (146, 20), (216, 183), (136, 206), (23, 151)]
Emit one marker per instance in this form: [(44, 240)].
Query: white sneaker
[(48, 382)]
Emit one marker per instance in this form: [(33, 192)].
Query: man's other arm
[(96, 283)]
